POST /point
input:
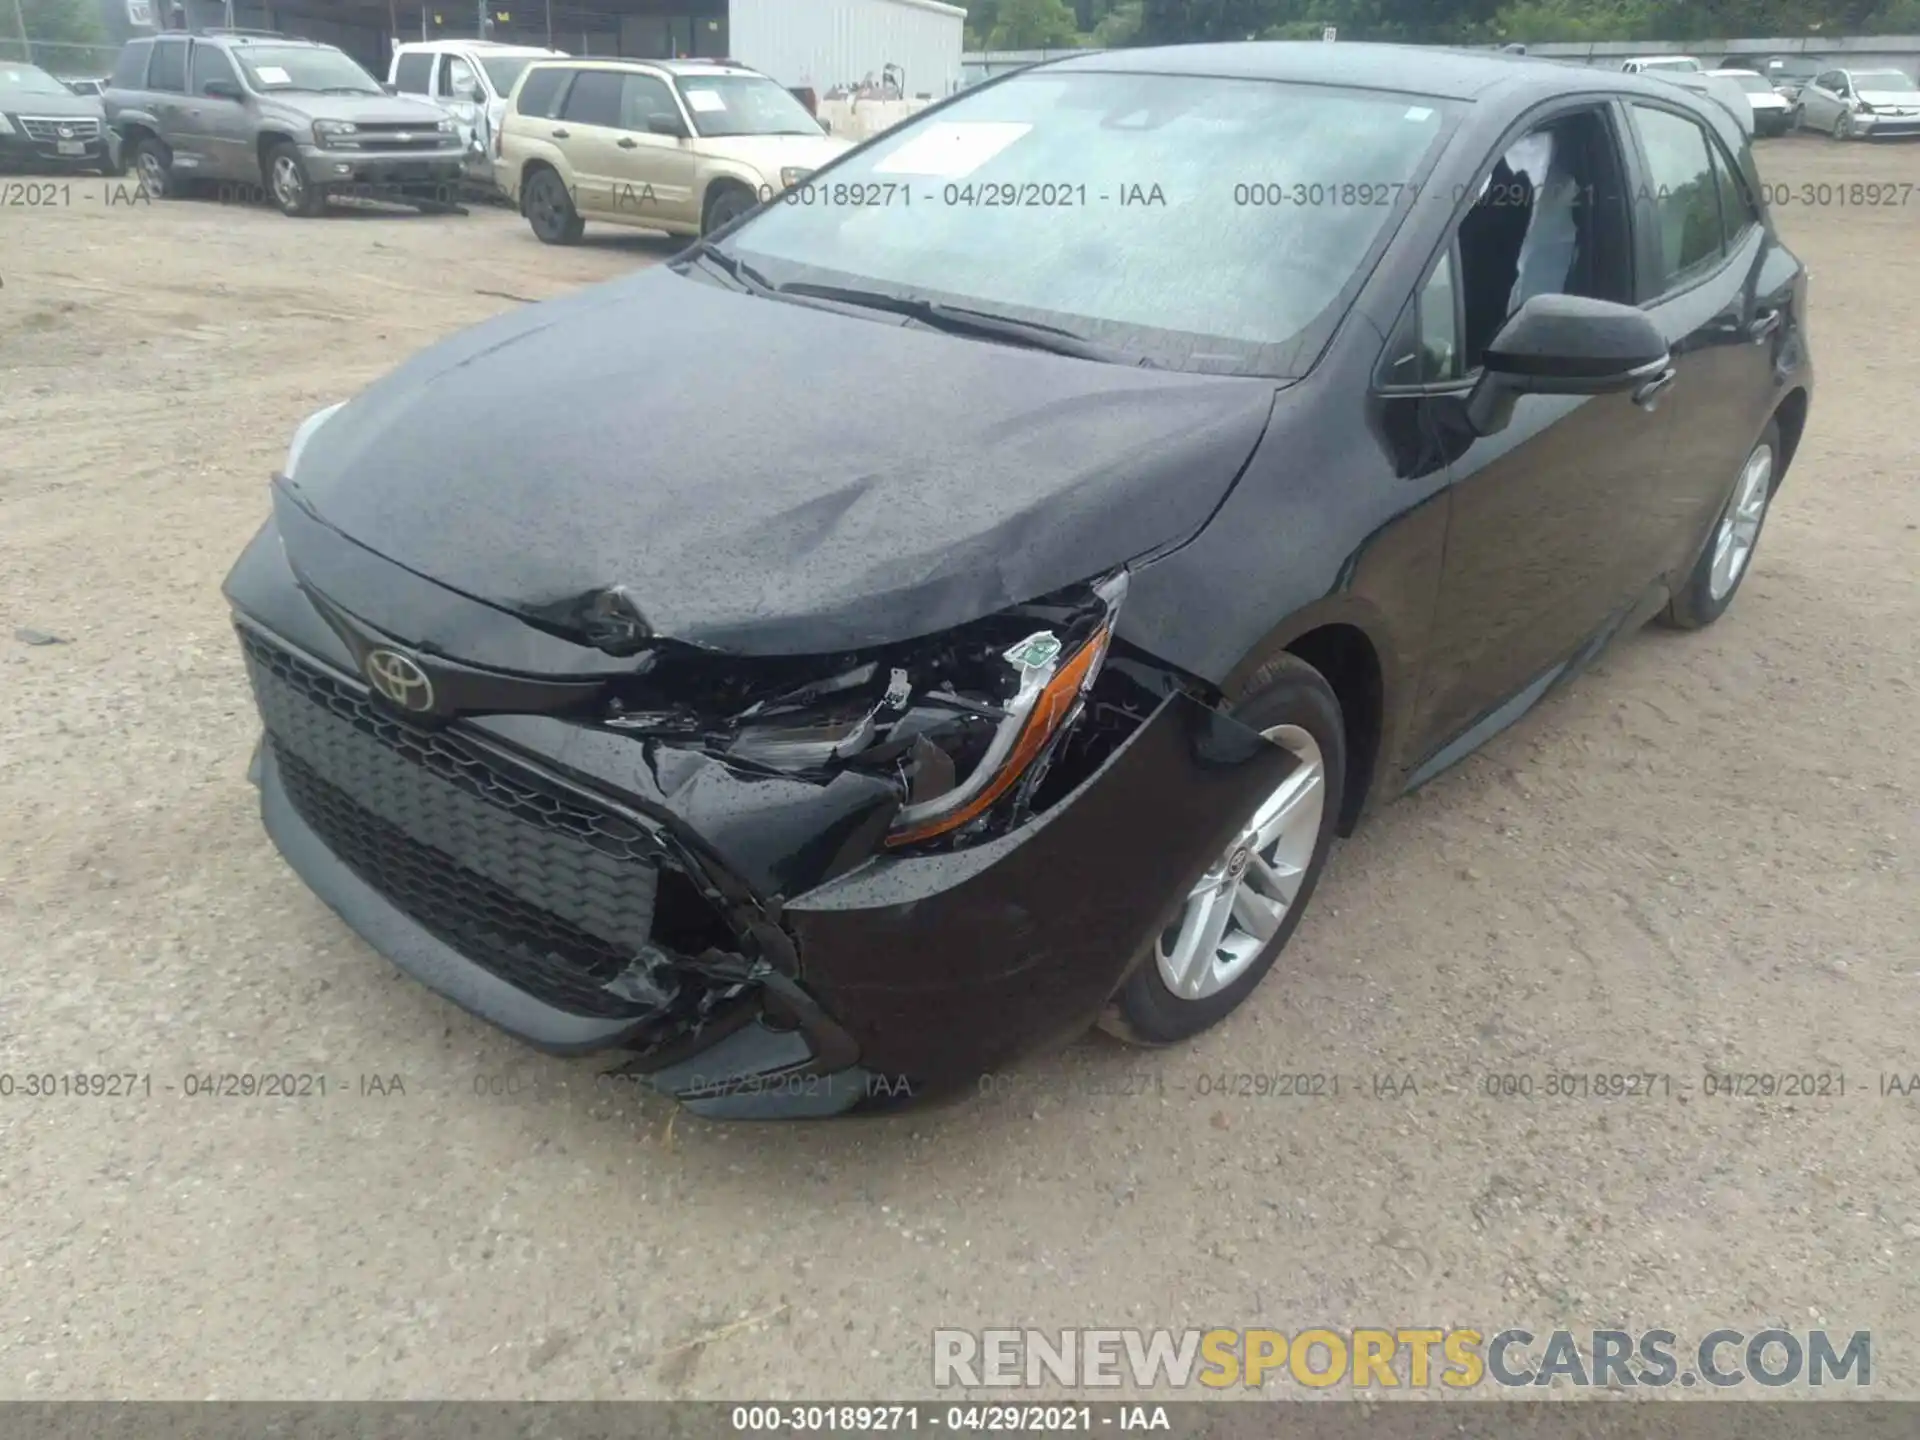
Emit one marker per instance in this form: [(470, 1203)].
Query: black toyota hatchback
[(962, 601)]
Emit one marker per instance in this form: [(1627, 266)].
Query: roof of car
[(492, 47), (672, 67), (1414, 69)]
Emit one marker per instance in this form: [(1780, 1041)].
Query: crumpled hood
[(764, 477)]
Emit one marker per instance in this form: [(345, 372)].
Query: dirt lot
[(1700, 858)]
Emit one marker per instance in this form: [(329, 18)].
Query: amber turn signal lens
[(1050, 710)]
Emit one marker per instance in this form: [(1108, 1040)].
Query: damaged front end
[(783, 886)]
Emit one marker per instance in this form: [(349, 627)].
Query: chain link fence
[(58, 57)]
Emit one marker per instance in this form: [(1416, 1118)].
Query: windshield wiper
[(963, 320), (738, 271), (348, 90)]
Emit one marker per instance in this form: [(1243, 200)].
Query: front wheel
[(154, 162), (1843, 125), (287, 183), (550, 210), (1237, 918), (726, 207), (1723, 564)]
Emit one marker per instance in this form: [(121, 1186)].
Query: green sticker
[(1036, 652)]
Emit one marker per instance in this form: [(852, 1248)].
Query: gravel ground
[(1698, 858)]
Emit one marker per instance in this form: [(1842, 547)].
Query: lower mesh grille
[(531, 881)]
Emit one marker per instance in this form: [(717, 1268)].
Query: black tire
[(1694, 605), (154, 162), (549, 210), (288, 187), (727, 204), (1285, 691), (1842, 126)]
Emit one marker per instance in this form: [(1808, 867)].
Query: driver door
[(454, 83)]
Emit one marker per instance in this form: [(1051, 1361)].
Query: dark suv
[(45, 125), (302, 119)]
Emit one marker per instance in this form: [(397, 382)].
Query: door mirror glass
[(478, 95), (662, 124), (1566, 345)]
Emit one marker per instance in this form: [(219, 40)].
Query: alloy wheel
[(1842, 125), (1740, 527), (1239, 905), (153, 173), (289, 185)]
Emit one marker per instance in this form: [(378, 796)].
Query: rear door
[(1702, 254), (1820, 101), (167, 90)]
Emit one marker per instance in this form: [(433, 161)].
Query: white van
[(470, 80)]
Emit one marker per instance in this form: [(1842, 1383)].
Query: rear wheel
[(1728, 555), (549, 210), (1237, 918)]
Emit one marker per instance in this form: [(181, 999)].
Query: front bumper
[(378, 169), (895, 980), (18, 151), (1886, 127)]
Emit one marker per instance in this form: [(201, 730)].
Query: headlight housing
[(6, 126), (792, 175), (305, 432), (334, 133), (965, 723), (444, 126)]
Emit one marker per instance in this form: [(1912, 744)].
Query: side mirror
[(390, 87), (223, 90), (826, 126), (1566, 345), (478, 94), (661, 124)]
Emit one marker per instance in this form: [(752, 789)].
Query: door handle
[(627, 142), (1648, 395), (1764, 324), (561, 135)]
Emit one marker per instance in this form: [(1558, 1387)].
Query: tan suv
[(683, 146)]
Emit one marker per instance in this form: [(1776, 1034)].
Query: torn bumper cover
[(756, 944)]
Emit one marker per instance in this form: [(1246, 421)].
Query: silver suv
[(301, 119)]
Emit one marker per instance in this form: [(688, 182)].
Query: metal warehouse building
[(816, 43)]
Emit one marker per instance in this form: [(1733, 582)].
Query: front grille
[(49, 129), (387, 137), (530, 880)]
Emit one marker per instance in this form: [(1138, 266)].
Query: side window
[(1550, 218), (540, 89), (1426, 345), (594, 98), (210, 64), (1736, 210), (168, 70), (411, 75), (456, 78), (1684, 193), (1830, 80), (130, 70), (641, 96)]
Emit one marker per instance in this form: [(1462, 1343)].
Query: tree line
[(1050, 24)]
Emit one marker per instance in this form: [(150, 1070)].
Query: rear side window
[(1736, 210), (412, 74), (130, 70), (541, 89), (169, 68), (1684, 193), (594, 98)]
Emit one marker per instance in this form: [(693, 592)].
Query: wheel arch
[(719, 183), (263, 146), (1346, 641), (1791, 416), (532, 166)]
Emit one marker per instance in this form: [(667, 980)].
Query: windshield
[(1881, 80), (303, 67), (30, 80), (1200, 223), (743, 105), (503, 70), (1752, 84)]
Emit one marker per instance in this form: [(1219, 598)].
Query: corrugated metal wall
[(823, 43)]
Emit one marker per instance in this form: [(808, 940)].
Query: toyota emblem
[(400, 680)]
